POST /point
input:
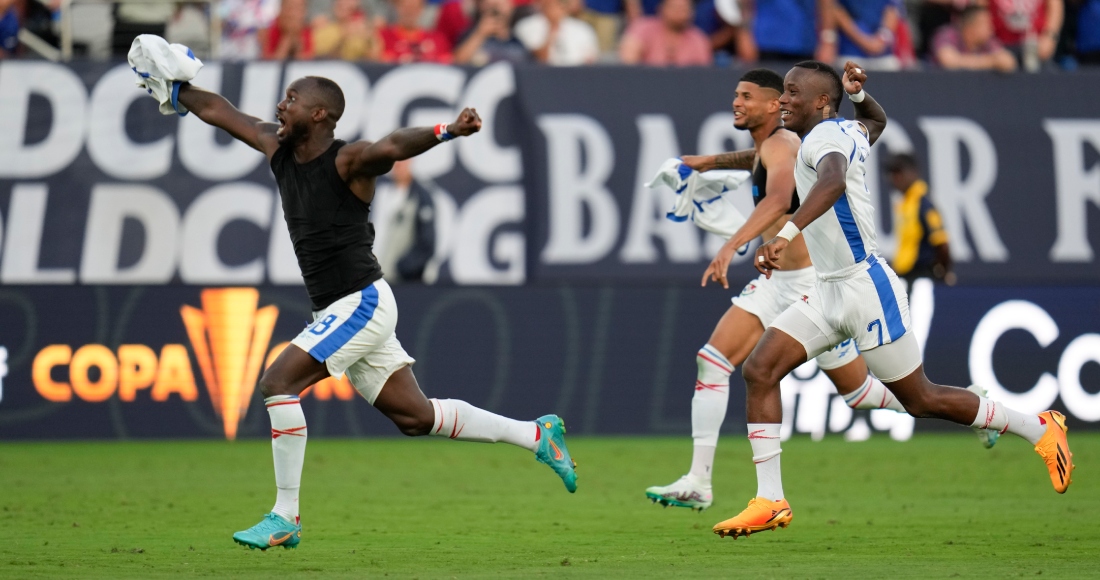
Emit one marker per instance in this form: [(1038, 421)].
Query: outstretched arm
[(778, 156), (215, 110), (371, 159), (868, 111), (735, 160), (822, 196)]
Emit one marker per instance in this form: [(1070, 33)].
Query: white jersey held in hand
[(160, 68), (844, 235)]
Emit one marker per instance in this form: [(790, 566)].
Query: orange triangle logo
[(230, 336)]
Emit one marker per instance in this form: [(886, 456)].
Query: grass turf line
[(936, 506)]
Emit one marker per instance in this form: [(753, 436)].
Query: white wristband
[(858, 97), (789, 231)]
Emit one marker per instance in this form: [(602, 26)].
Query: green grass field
[(937, 506)]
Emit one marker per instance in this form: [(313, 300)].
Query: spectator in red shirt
[(968, 44), (289, 37), (671, 38), (455, 19), (404, 40), (1017, 21)]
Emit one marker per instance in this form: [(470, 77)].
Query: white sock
[(702, 461), (873, 395), (764, 438), (288, 446), (994, 415), (708, 409), (461, 420)]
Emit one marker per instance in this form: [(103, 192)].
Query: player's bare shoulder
[(780, 146)]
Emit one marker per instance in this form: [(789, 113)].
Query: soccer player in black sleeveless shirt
[(326, 186)]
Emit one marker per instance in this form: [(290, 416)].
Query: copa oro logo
[(229, 334), (229, 337)]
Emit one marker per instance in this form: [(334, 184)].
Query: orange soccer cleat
[(762, 514), (1053, 447)]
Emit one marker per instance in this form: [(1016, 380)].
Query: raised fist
[(468, 123), (854, 76)]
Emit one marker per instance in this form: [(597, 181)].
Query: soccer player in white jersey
[(857, 296), (772, 161)]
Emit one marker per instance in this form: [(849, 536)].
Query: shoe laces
[(272, 522)]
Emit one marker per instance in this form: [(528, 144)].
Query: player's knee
[(415, 425), (922, 400), (919, 403), (758, 372), (270, 386)]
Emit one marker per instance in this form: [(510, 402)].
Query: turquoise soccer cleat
[(553, 452), (272, 531)]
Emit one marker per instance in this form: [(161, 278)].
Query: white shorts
[(767, 298), (866, 303), (355, 335)]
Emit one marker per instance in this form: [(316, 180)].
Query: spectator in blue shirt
[(867, 33), (609, 18), (9, 28), (1088, 32), (787, 30), (490, 39)]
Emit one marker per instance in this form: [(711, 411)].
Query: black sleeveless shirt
[(328, 226), (760, 183)]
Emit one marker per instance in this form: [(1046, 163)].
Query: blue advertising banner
[(1011, 169), (140, 361), (562, 287), (96, 187)]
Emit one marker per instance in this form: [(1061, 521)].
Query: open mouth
[(282, 125), (784, 113)]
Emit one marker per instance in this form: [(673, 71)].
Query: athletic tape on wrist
[(858, 97), (442, 134), (789, 231)]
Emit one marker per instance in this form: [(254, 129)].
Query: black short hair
[(901, 162), (764, 78), (330, 95), (836, 90)]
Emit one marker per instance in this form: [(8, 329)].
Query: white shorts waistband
[(850, 271)]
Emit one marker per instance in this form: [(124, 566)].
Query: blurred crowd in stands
[(1000, 35)]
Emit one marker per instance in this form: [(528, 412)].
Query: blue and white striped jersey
[(844, 235)]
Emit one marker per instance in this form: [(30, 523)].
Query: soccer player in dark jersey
[(326, 186)]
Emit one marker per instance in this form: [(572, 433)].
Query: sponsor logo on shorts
[(749, 289)]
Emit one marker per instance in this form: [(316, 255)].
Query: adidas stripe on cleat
[(761, 515), (1053, 447)]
